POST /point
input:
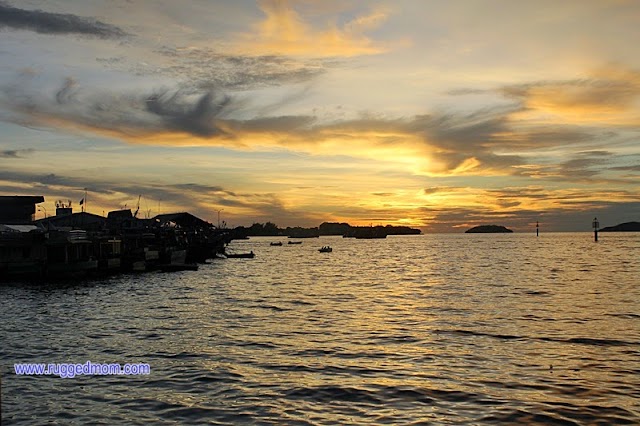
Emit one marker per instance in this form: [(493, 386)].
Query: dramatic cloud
[(55, 23), (478, 143)]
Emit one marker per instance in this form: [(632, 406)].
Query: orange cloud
[(283, 31), (611, 95)]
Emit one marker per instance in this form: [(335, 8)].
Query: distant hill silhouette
[(487, 229), (623, 227), (326, 228)]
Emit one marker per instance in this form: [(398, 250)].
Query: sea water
[(433, 329)]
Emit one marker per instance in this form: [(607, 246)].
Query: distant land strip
[(623, 227), (326, 228)]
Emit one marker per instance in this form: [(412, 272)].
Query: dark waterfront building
[(16, 209), (82, 220), (79, 244)]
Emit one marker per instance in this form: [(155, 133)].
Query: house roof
[(120, 214), (183, 219)]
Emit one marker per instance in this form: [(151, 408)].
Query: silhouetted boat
[(325, 249), (294, 242), (279, 243), (250, 255)]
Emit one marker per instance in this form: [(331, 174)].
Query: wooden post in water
[(595, 225), (537, 229)]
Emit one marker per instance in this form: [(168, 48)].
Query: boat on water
[(279, 243), (325, 249), (294, 242), (249, 255)]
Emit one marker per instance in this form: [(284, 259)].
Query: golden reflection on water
[(442, 328)]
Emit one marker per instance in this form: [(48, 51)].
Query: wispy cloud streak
[(16, 153), (56, 23)]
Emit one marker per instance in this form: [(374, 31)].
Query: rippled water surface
[(434, 329)]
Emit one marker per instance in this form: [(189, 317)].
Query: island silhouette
[(487, 229), (623, 227)]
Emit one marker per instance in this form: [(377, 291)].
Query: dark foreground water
[(435, 329)]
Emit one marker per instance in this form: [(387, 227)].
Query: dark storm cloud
[(55, 23)]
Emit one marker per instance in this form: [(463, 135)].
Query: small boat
[(279, 243), (250, 255), (294, 242), (325, 249)]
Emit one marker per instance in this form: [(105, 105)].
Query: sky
[(435, 114)]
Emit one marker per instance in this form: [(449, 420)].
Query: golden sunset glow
[(297, 112), (284, 32)]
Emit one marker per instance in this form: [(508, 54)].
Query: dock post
[(595, 225)]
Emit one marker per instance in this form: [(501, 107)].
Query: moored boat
[(249, 255)]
